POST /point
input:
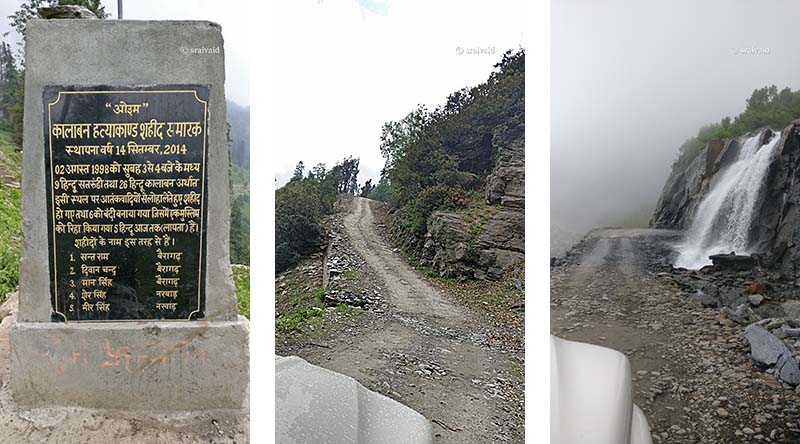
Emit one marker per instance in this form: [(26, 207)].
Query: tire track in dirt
[(692, 376), (409, 293), (425, 352)]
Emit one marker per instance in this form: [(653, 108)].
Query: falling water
[(725, 216)]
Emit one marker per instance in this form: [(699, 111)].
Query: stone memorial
[(126, 296)]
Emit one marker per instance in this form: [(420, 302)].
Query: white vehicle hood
[(591, 396), (314, 405)]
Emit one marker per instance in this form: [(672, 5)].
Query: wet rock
[(681, 194), (733, 261)]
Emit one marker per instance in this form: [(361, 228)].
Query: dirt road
[(692, 375), (423, 350)]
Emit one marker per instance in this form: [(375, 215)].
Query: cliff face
[(487, 240), (682, 192), (775, 228), (778, 221), (488, 243)]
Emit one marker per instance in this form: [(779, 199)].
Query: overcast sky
[(631, 80), (343, 70), (231, 17)]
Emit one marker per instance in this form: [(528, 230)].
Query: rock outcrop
[(487, 240), (775, 230), (66, 12), (506, 184), (682, 193)]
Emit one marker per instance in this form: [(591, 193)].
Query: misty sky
[(342, 70), (230, 16), (631, 80)]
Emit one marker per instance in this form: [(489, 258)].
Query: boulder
[(755, 299), (766, 351), (791, 309), (743, 314), (733, 261), (765, 348), (787, 369), (705, 299), (456, 246), (66, 12)]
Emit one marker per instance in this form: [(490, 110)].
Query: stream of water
[(723, 220)]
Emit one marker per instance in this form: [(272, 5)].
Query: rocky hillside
[(775, 228), (456, 177), (488, 239)]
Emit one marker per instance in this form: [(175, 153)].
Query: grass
[(295, 321), (476, 215), (428, 271), (501, 300), (314, 318), (241, 277), (300, 308), (10, 220)]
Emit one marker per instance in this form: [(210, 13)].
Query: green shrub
[(10, 240), (298, 210), (241, 278), (436, 159)]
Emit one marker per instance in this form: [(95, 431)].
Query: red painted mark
[(120, 353)]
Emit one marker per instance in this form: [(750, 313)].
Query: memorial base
[(197, 365)]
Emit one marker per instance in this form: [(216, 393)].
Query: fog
[(342, 70), (631, 81)]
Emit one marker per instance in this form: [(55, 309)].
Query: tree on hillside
[(435, 159), (396, 137), (299, 170), (301, 204), (18, 112), (317, 172), (9, 79), (367, 188), (345, 176)]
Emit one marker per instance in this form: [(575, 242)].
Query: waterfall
[(723, 220)]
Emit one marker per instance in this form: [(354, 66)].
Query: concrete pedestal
[(132, 366)]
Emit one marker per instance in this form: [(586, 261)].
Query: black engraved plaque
[(125, 176)]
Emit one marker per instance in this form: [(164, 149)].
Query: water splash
[(725, 216)]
